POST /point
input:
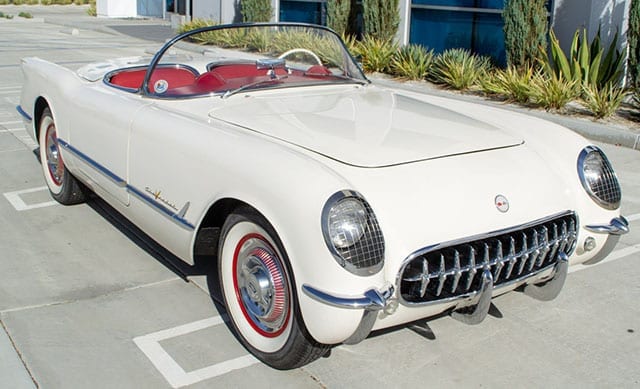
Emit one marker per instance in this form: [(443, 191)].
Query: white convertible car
[(331, 206)]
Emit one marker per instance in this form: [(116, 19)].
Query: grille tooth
[(456, 270), (525, 253), (451, 271), (555, 242), (425, 277), (442, 276), (485, 257), (536, 251), (499, 261), (545, 246), (471, 273), (512, 256)]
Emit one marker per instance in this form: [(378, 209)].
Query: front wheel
[(259, 293), (63, 186)]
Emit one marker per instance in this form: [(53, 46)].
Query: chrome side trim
[(176, 217), (617, 226), (97, 166), (23, 113)]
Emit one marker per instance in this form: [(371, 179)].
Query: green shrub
[(525, 31), (512, 83), (459, 69), (256, 10), (381, 18), (351, 43), (92, 10), (4, 2), (338, 15), (553, 92), (376, 53), (18, 2), (25, 15), (602, 101), (412, 62)]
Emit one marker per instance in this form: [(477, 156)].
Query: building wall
[(610, 15)]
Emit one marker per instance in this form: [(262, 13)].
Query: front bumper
[(472, 308)]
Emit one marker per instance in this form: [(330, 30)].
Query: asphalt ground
[(88, 301)]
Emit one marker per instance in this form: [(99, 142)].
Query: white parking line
[(169, 368), (19, 204)]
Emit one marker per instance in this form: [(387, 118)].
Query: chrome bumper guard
[(617, 226), (373, 301)]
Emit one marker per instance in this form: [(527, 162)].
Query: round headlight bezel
[(361, 253), (607, 173)]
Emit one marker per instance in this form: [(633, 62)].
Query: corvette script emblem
[(502, 203)]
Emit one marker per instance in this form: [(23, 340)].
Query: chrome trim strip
[(373, 299), (23, 113), (617, 226), (173, 216), (176, 217), (97, 166)]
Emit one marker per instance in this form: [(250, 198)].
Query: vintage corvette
[(331, 206)]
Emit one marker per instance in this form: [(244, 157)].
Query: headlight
[(352, 234), (598, 178)]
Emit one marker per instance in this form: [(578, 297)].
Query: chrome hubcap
[(54, 159), (261, 286)]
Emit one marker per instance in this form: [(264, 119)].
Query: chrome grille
[(450, 271)]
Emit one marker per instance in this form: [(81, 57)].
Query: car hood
[(363, 126)]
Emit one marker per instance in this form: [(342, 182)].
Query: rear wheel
[(64, 187), (259, 293)]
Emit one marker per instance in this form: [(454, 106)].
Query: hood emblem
[(502, 203)]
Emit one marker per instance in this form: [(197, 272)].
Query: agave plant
[(512, 83), (602, 101), (376, 53), (412, 62), (459, 68), (590, 64), (553, 92)]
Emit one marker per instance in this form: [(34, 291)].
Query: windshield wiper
[(232, 92)]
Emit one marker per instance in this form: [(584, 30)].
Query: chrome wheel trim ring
[(55, 165), (261, 286)]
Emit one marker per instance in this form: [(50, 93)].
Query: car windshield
[(226, 60)]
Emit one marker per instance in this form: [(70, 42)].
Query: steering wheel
[(301, 50)]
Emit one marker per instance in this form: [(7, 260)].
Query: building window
[(470, 24), (303, 11)]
